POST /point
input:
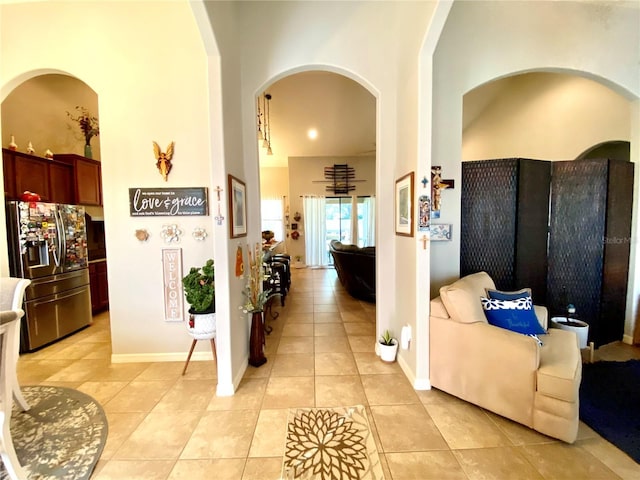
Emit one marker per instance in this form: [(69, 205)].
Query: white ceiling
[(341, 110)]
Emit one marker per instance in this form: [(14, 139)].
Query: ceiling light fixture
[(260, 134), (312, 133)]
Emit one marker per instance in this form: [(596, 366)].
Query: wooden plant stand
[(193, 345)]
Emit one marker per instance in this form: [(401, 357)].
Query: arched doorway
[(54, 115), (315, 120)]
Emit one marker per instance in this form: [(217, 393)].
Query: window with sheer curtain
[(273, 217), (315, 239)]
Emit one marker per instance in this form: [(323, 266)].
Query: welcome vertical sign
[(172, 273)]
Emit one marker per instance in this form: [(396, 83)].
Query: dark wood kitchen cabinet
[(67, 178), (99, 286), (25, 172), (87, 178), (61, 183)]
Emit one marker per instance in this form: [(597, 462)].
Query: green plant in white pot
[(388, 347), (200, 290)]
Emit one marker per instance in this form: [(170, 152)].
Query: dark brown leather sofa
[(356, 269)]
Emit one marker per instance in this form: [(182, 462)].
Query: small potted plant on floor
[(388, 347), (200, 290), (298, 263)]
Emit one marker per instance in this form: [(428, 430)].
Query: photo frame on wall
[(404, 205), (441, 232), (237, 207)]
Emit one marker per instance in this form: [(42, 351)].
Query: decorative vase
[(202, 326), (12, 144), (88, 153), (388, 352), (256, 341)]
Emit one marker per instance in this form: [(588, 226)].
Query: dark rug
[(61, 436), (610, 403)]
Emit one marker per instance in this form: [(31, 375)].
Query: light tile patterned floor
[(166, 426)]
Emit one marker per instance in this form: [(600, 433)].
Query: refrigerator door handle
[(61, 238)]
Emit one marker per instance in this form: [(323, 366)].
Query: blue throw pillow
[(498, 295), (515, 315)]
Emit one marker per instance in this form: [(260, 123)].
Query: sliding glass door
[(344, 225)]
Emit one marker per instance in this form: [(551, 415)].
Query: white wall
[(152, 85), (219, 24), (550, 116), (274, 182), (483, 41)]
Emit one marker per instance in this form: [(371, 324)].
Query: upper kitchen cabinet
[(87, 178), (61, 182), (67, 178), (24, 172)]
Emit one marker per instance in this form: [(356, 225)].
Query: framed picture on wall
[(404, 205), (237, 207), (440, 232)]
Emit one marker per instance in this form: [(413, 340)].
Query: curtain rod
[(333, 196)]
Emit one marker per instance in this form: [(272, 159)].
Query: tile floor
[(166, 426)]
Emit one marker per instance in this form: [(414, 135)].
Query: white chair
[(11, 297)]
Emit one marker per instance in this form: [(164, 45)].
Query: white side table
[(580, 328)]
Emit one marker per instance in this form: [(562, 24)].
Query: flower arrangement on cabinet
[(256, 296), (87, 122)]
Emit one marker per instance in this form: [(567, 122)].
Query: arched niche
[(36, 111), (616, 149), (544, 115)]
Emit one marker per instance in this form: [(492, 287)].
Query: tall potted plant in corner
[(200, 290), (388, 347)]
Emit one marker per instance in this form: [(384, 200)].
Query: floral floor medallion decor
[(330, 444), (61, 436)]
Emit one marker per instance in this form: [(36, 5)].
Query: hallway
[(166, 426)]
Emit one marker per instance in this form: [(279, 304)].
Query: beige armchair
[(503, 371)]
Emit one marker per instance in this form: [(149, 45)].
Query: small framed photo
[(424, 213), (440, 232), (237, 207), (404, 205)]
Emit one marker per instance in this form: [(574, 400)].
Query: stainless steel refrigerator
[(48, 244)]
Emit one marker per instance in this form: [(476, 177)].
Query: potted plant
[(388, 347), (298, 263), (200, 290), (88, 125)]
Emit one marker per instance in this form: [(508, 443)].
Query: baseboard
[(418, 383), (423, 384), (160, 357), (628, 339)]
